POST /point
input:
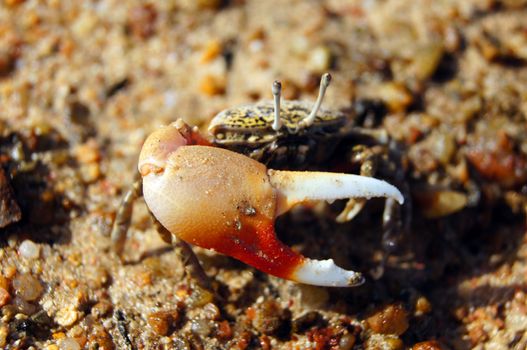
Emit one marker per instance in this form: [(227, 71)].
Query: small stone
[(29, 250), (224, 331), (211, 311), (58, 335), (4, 282), (101, 309), (10, 272), (270, 317), (142, 21), (392, 319), (162, 322), (212, 85), (24, 307), (395, 95), (320, 59), (13, 2), (90, 172), (211, 50), (7, 62), (200, 327), (195, 5), (27, 287), (88, 152), (69, 344), (200, 297), (4, 331), (427, 345), (9, 209), (422, 306), (4, 297), (101, 337), (142, 278), (66, 317), (98, 278), (385, 342), (306, 321), (347, 341)]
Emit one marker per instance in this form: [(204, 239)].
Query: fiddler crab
[(220, 195)]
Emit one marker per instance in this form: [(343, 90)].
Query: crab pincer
[(224, 201)]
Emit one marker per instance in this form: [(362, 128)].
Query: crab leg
[(227, 202), (123, 217)]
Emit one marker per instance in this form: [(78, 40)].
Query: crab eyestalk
[(310, 119), (277, 91), (227, 202)]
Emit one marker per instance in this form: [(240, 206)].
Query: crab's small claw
[(227, 202)]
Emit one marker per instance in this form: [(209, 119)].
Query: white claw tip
[(326, 273)]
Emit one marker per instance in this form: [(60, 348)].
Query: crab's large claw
[(225, 201)]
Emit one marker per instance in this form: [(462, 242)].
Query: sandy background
[(83, 83)]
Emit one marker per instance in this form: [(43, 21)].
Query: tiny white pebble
[(256, 45), (12, 240), (29, 250), (69, 344), (66, 317), (170, 99)]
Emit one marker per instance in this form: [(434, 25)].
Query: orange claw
[(227, 202)]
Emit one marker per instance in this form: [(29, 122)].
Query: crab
[(227, 200), (298, 135)]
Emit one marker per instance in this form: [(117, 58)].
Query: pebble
[(392, 319), (10, 272), (9, 209), (224, 330), (88, 152), (29, 250), (24, 307), (427, 345), (4, 282), (27, 287), (211, 85), (211, 50), (66, 317), (270, 317), (101, 309), (162, 322), (395, 95), (68, 344), (101, 337), (200, 327), (306, 321), (4, 331), (347, 341), (320, 59), (211, 311), (389, 342), (422, 306), (4, 297), (142, 21)]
